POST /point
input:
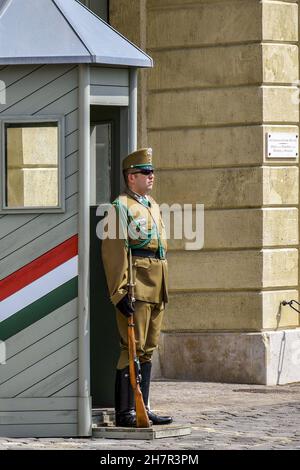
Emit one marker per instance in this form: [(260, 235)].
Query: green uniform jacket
[(150, 274)]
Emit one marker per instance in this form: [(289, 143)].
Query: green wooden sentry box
[(56, 60)]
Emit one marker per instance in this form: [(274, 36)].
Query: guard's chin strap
[(289, 303)]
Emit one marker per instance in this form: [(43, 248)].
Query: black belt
[(145, 253)]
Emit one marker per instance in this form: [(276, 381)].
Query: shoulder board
[(119, 200), (152, 200), (123, 198), (120, 203)]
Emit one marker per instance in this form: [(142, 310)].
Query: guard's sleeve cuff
[(118, 296)]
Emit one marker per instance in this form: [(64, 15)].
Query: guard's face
[(141, 183)]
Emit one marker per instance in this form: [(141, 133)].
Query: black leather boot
[(145, 388), (124, 400)]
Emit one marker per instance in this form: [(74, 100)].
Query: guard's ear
[(130, 177)]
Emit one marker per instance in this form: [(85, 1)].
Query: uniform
[(139, 227)]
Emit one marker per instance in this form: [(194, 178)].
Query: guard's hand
[(125, 306)]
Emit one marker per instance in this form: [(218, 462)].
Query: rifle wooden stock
[(142, 420)]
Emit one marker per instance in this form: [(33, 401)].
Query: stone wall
[(225, 74)]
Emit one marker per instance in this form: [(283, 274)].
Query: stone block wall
[(225, 74)]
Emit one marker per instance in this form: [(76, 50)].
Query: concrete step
[(155, 432), (104, 428), (103, 417)]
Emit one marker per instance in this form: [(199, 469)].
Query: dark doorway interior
[(105, 186)]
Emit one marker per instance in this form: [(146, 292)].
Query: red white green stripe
[(38, 287)]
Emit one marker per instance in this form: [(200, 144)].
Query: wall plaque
[(282, 145)]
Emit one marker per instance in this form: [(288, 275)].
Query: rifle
[(142, 420)]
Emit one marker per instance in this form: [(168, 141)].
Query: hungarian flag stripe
[(39, 267), (40, 287), (39, 309)]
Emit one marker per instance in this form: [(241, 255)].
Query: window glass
[(100, 7), (31, 165), (101, 163)]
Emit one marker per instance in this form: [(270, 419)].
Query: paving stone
[(222, 416)]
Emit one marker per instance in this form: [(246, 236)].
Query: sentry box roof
[(60, 32)]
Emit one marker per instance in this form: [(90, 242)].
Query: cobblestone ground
[(222, 416)]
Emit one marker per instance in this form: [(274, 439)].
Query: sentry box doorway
[(68, 116)]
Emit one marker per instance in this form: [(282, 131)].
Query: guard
[(140, 228)]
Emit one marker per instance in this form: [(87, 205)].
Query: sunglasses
[(144, 172)]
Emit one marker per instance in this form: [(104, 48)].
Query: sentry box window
[(32, 166)]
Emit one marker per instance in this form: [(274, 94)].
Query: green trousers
[(147, 319)]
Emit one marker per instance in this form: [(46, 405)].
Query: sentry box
[(68, 115)]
